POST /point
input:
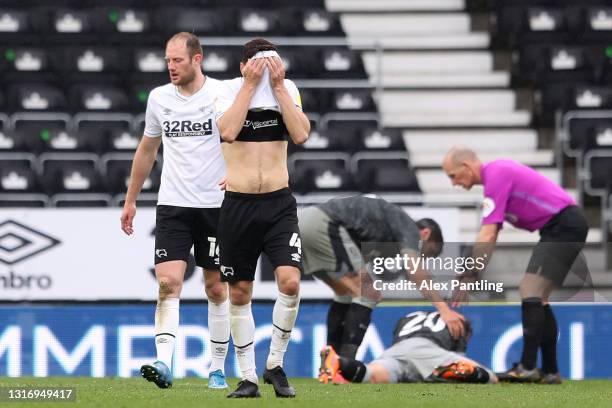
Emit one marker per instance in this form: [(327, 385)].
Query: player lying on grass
[(336, 236), (423, 350)]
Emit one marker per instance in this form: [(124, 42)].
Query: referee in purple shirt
[(520, 195)]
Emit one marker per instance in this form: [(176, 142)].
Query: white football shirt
[(230, 88), (193, 160)]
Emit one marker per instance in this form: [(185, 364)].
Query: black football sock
[(352, 370), (533, 327), (335, 323), (479, 376), (356, 323), (549, 342)]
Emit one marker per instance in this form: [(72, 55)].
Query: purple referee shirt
[(520, 195)]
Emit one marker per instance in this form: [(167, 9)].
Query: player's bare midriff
[(256, 167)]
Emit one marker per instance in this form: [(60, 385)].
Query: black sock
[(352, 370), (356, 323), (479, 376), (335, 323), (549, 342), (533, 327)]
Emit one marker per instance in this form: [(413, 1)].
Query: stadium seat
[(27, 64), (124, 20), (69, 173), (536, 24), (221, 62), (90, 97), (323, 142), (598, 166), (36, 130), (320, 172), (149, 60), (314, 100), (70, 21), (374, 139), (121, 140), (352, 100), (55, 140), (93, 59), (116, 170), (319, 22), (557, 96), (586, 133), (11, 142), (36, 97), (350, 124), (105, 131), (201, 21), (384, 172), (17, 173), (298, 63), (259, 22), (339, 63), (595, 24), (15, 26), (139, 94)]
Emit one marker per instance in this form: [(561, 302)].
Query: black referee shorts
[(561, 240), (250, 224), (177, 229)]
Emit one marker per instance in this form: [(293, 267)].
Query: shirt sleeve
[(496, 195), (225, 97), (294, 92), (152, 126)]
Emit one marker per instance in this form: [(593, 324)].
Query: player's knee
[(239, 295), (290, 286), (168, 287), (528, 290), (216, 291), (379, 378)]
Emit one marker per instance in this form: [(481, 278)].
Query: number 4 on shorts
[(296, 242)]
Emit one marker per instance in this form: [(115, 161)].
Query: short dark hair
[(192, 42), (254, 46), (435, 236)]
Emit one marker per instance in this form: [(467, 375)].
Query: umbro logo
[(161, 252), (167, 112), (19, 242)]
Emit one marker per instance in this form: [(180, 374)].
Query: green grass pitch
[(192, 392)]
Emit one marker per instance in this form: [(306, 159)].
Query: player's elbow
[(299, 137), (228, 136), (227, 132)]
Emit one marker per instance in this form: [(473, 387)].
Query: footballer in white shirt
[(181, 115)]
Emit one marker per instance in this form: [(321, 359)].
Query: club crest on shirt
[(488, 206)]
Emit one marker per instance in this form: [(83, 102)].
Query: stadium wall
[(102, 340), (82, 254)]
